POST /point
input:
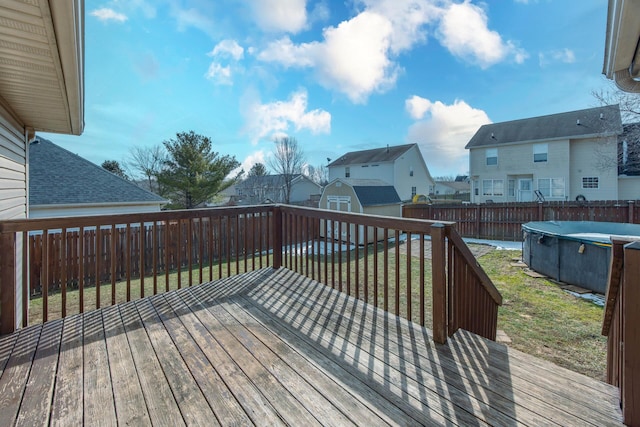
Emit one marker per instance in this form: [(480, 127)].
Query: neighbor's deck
[(271, 348)]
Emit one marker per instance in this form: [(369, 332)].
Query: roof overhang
[(42, 63), (622, 48)]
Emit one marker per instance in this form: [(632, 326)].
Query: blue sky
[(337, 75)]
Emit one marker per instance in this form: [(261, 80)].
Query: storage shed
[(367, 196)]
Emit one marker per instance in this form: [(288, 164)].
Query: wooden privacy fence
[(503, 221), (122, 251)]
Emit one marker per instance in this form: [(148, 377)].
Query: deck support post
[(277, 237), (439, 283), (8, 283), (630, 387)]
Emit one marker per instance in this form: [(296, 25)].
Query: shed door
[(341, 204)]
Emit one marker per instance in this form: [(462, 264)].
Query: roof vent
[(493, 136), (578, 122), (601, 116), (387, 148)]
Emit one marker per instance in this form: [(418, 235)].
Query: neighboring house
[(369, 196), (271, 188), (41, 89), (64, 184), (401, 166), (564, 156), (621, 55)]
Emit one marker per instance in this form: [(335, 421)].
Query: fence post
[(439, 283), (478, 214), (540, 212), (277, 237), (632, 219), (8, 283), (631, 335)]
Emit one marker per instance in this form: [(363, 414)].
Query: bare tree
[(287, 160), (627, 155), (148, 161), (318, 174)]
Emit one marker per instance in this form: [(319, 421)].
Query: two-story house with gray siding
[(401, 166), (565, 156)]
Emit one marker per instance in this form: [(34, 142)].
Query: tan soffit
[(42, 63), (621, 55)]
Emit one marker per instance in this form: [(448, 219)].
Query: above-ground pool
[(574, 252)]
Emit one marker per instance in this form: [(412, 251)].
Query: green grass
[(537, 315), (543, 320)]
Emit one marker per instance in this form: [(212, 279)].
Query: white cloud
[(280, 15), (228, 48), (187, 18), (408, 19), (566, 56), (443, 134), (105, 14), (219, 74), (253, 158), (277, 118), (352, 59), (417, 106), (464, 32)]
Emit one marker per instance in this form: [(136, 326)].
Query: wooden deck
[(274, 348)]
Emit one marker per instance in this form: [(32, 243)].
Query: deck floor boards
[(271, 347)]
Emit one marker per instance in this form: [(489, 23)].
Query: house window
[(492, 156), (511, 189), (551, 187), (411, 171), (413, 191), (347, 172), (590, 182), (540, 152), (493, 187)]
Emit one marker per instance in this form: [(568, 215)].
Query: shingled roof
[(59, 177), (373, 192), (592, 122), (377, 155)]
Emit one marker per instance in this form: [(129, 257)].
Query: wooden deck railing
[(418, 269), (387, 262), (620, 326)]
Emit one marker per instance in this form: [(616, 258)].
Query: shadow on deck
[(272, 347)]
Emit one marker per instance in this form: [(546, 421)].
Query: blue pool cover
[(598, 233)]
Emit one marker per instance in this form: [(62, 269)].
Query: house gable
[(402, 166), (552, 154)]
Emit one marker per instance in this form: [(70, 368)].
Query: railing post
[(277, 237), (631, 336), (439, 283), (8, 283), (632, 210)]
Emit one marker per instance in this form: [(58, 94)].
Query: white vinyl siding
[(13, 179)]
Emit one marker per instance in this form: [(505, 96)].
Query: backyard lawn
[(539, 317)]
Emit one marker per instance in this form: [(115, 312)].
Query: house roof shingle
[(59, 177), (376, 155), (599, 121)]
